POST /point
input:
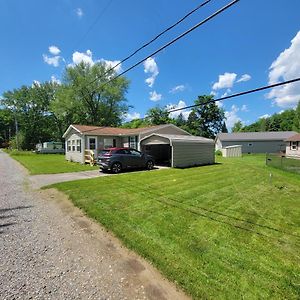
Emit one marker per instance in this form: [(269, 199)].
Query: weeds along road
[(50, 250)]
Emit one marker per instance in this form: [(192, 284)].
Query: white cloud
[(153, 96), (79, 12), (228, 91), (177, 89), (54, 61), (54, 50), (55, 80), (135, 115), (264, 116), (86, 57), (245, 77), (232, 117), (151, 67), (175, 114), (244, 108), (225, 81), (286, 67)]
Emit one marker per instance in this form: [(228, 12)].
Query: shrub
[(218, 153)]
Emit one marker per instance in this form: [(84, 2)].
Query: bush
[(18, 141), (218, 153)]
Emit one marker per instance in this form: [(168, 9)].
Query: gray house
[(255, 142), (167, 143)]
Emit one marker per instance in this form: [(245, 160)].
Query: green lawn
[(47, 163), (220, 232)]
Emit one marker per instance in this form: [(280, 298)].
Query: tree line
[(288, 120), (43, 111)]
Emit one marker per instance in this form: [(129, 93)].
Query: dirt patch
[(138, 271)]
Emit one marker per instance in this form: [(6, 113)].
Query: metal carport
[(181, 150)]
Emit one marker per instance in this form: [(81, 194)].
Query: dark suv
[(117, 159)]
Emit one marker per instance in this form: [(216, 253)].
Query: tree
[(206, 119), (88, 97), (238, 126), (296, 120), (224, 128), (7, 126), (158, 116), (29, 107)]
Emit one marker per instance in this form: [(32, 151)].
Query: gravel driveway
[(50, 250)]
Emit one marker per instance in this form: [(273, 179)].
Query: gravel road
[(50, 250)]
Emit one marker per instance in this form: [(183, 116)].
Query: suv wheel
[(149, 165), (116, 168)]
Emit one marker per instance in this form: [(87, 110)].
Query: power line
[(160, 34), (174, 40), (239, 94), (101, 13)]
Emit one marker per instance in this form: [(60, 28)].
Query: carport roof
[(182, 138)]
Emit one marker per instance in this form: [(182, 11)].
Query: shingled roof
[(256, 136), (294, 138), (96, 130)]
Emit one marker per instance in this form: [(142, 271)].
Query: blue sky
[(251, 44)]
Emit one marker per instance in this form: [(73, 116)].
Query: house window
[(78, 145), (68, 146), (109, 143), (73, 145), (132, 140), (92, 142), (294, 145)]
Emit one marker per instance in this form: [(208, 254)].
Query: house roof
[(294, 138), (256, 136), (182, 138), (96, 130)]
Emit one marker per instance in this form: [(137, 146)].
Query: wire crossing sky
[(254, 43)]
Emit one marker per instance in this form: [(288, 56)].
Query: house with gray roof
[(255, 142)]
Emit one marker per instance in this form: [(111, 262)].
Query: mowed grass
[(226, 231), (47, 163)]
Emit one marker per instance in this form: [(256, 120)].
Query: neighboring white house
[(255, 142), (79, 138), (293, 146)]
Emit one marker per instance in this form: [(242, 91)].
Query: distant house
[(255, 142), (293, 146), (165, 142)]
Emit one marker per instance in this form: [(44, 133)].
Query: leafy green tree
[(86, 96), (30, 108), (224, 128), (180, 121), (237, 126), (206, 119), (296, 120), (7, 126), (158, 116)]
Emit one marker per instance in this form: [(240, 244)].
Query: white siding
[(232, 151), (72, 155), (294, 153), (191, 154)]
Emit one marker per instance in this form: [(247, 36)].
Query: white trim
[(88, 142), (69, 128)]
